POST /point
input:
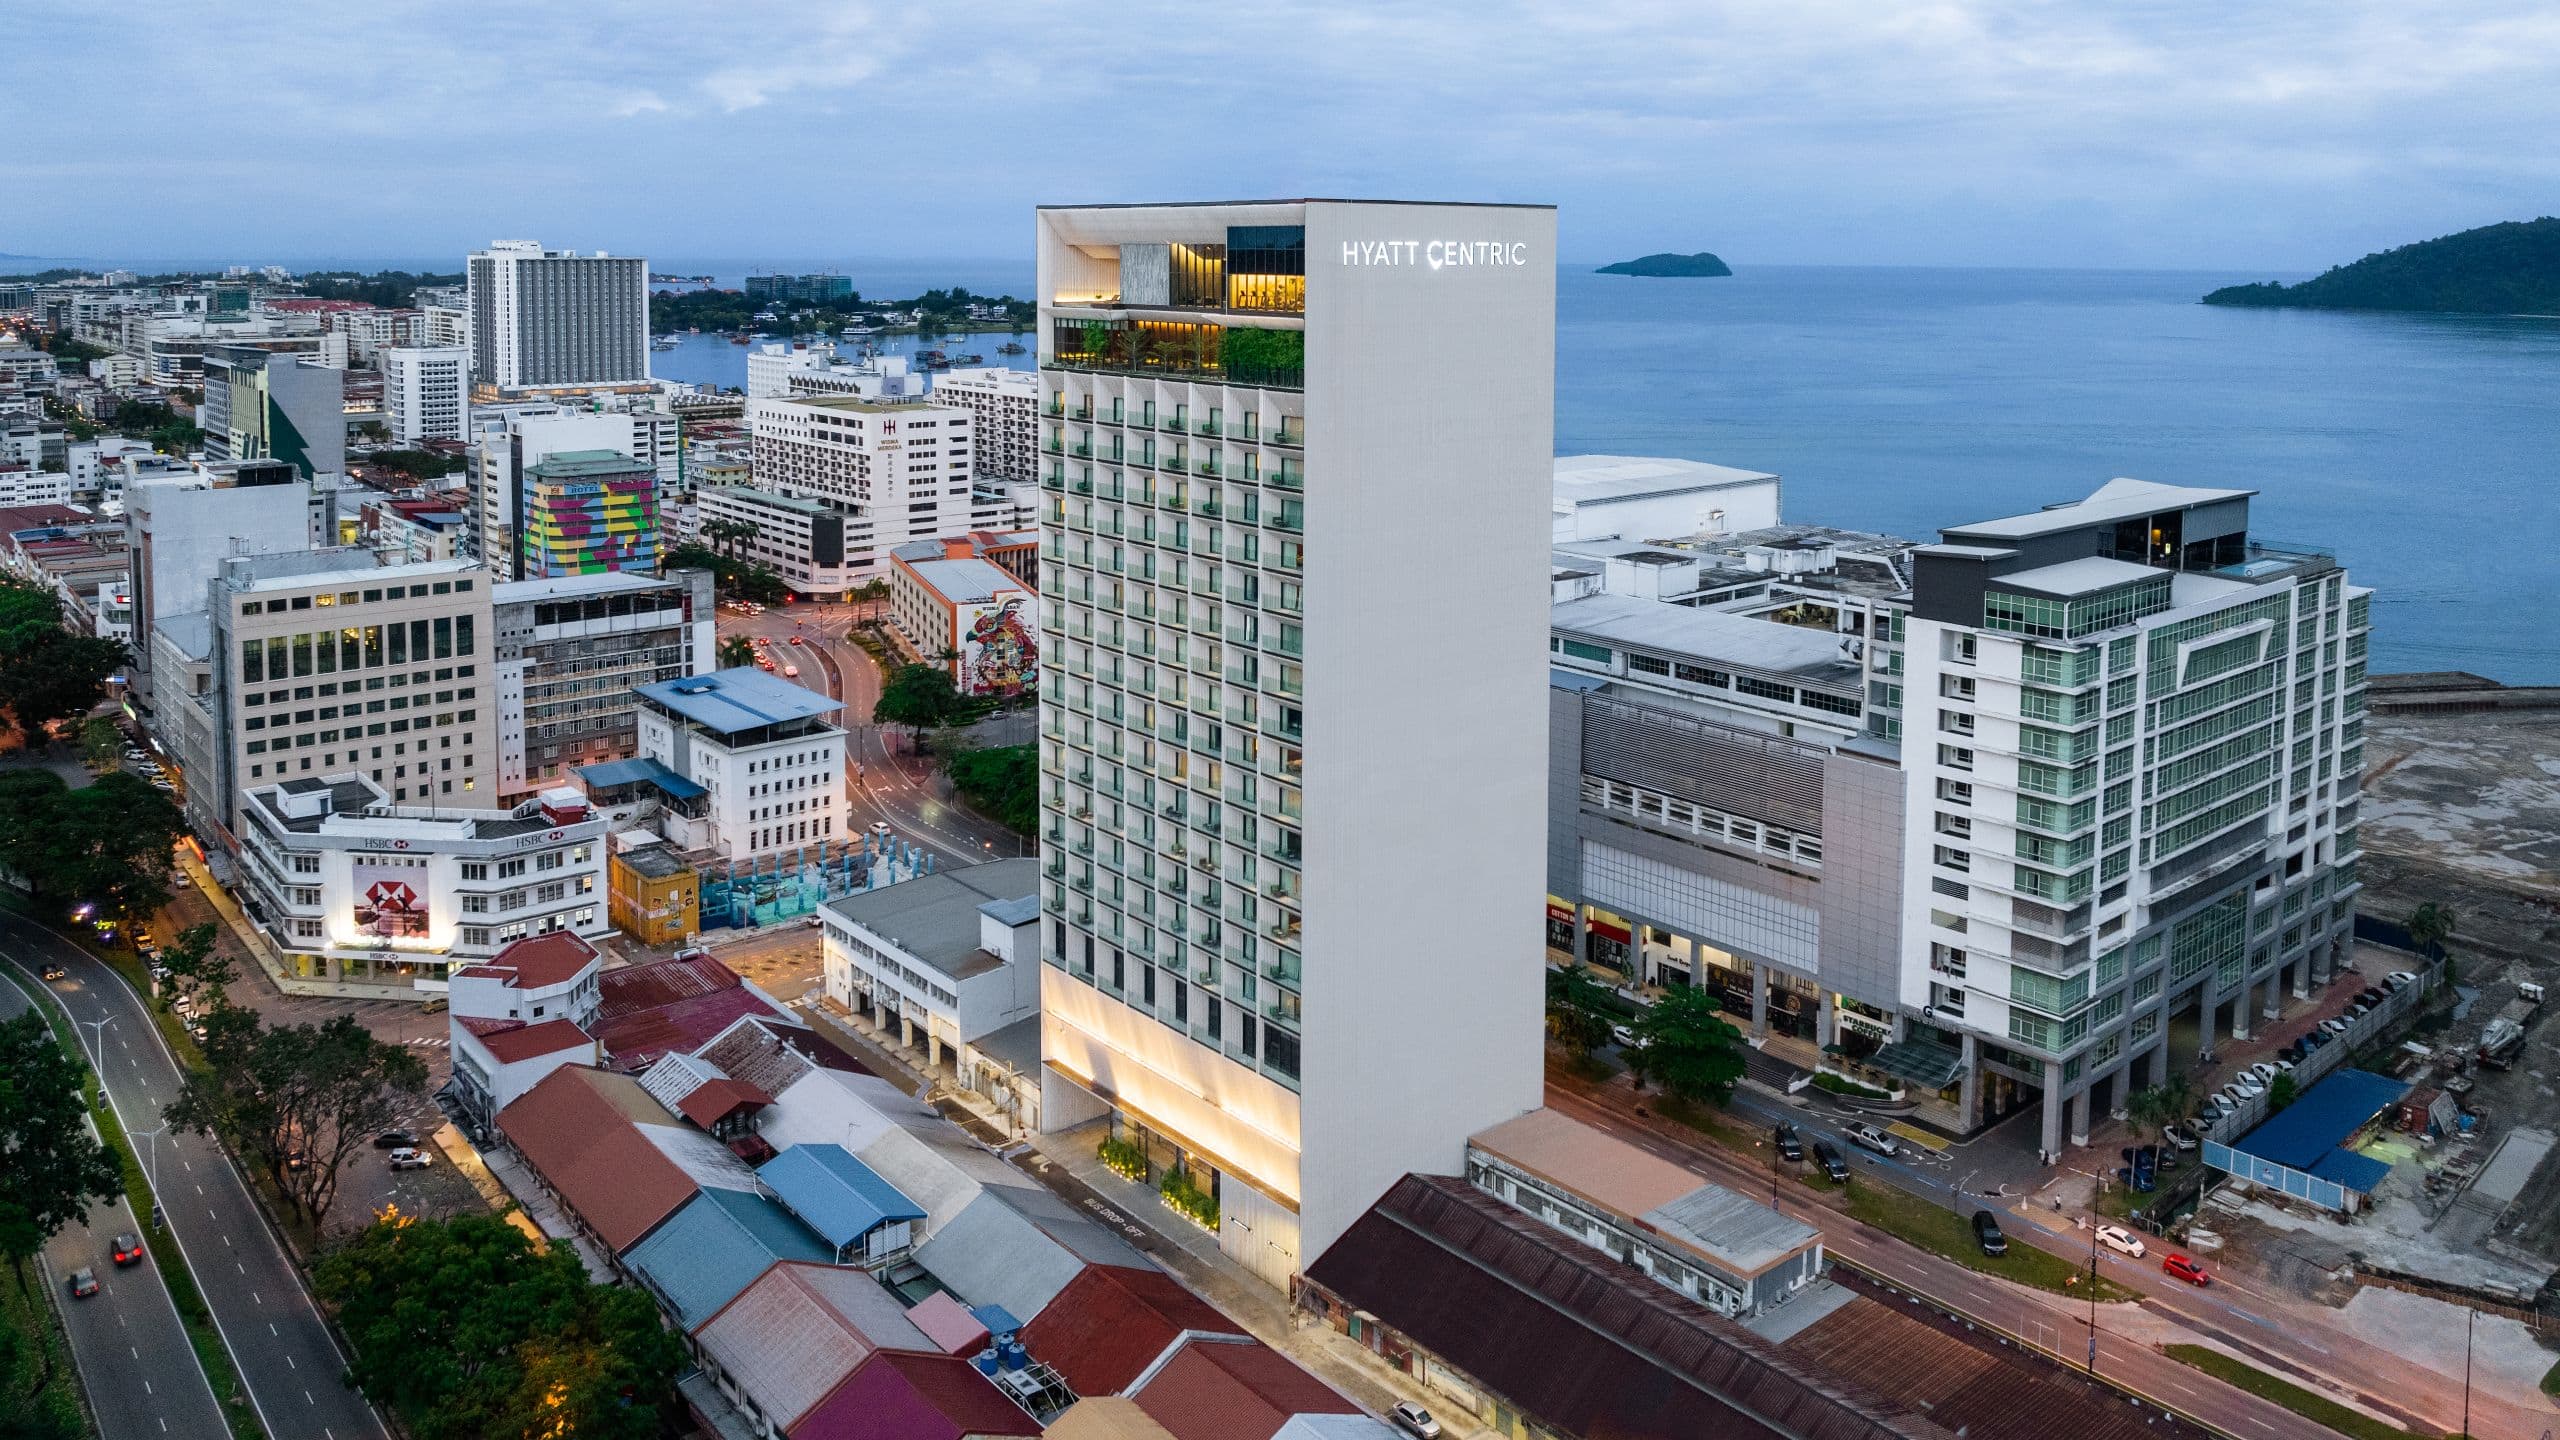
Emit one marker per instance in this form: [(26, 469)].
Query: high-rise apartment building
[(1007, 406), (2134, 737), (764, 289), (585, 512), (555, 319), (262, 404), (324, 663), (509, 440), (180, 527), (1291, 837), (895, 470), (424, 391)]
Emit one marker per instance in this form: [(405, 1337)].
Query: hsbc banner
[(391, 902)]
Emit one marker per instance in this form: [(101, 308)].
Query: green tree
[(321, 1091), (1003, 781), (105, 845), (918, 697), (467, 1331), (2282, 1091), (1577, 1009), (194, 962), (51, 1165), (2156, 1107), (737, 650), (46, 672), (101, 742), (2430, 926), (1684, 1044)]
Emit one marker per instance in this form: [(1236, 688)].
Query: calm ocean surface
[(2421, 448)]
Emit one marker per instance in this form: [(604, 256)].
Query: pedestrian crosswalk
[(437, 1043)]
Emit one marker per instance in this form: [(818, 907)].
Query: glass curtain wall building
[(1293, 745)]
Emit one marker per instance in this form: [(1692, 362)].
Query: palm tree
[(737, 650), (2430, 925)]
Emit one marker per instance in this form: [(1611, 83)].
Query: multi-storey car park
[(1291, 773), (1982, 821)]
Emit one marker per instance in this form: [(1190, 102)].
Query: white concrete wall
[(1430, 431)]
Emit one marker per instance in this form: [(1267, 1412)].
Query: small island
[(1699, 266), (2512, 268)]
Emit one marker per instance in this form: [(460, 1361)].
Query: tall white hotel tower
[(1297, 458)]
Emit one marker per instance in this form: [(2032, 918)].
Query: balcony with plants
[(1238, 355)]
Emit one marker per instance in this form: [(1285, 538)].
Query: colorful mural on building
[(999, 652)]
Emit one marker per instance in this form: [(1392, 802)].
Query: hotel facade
[(1287, 944)]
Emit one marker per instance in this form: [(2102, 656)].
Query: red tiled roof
[(1111, 1322), (1217, 1390), (715, 1100), (524, 1042), (30, 517), (648, 1010), (900, 1395), (578, 1130), (538, 962)]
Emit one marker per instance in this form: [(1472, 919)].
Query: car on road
[(880, 828), (84, 1283), (1833, 1163), (2185, 1269), (795, 639), (790, 672), (1986, 1233), (1623, 1037), (2178, 1139), (396, 1140), (406, 1158), (1868, 1137), (1789, 1140), (127, 1251), (1415, 1421), (55, 972), (2120, 1240), (814, 922)]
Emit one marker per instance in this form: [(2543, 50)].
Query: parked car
[(84, 1283), (127, 1251), (1833, 1163), (2120, 1240), (1413, 1420), (2333, 1027), (2402, 978), (395, 1140), (1986, 1233), (2265, 1070), (2211, 1111), (2247, 1087), (2178, 1139), (1789, 1140), (2187, 1270), (1627, 1039), (1868, 1137), (405, 1158)]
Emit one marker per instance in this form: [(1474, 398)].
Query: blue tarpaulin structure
[(2300, 1150)]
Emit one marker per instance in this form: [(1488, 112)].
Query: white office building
[(424, 392), (1007, 406), (1643, 497), (778, 370), (2134, 737), (894, 470), (351, 885), (767, 763), (940, 961), (555, 319), (1291, 856)]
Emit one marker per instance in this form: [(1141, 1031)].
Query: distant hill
[(1695, 266), (2511, 268)]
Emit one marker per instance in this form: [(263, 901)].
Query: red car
[(128, 1251), (795, 639), (2186, 1269)]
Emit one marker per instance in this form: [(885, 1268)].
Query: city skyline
[(1966, 134)]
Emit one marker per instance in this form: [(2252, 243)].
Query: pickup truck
[(1868, 1137)]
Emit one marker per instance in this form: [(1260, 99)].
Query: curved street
[(284, 1352)]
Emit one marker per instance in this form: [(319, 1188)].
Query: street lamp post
[(151, 1167), (2093, 1302), (2470, 1318), (98, 1033)]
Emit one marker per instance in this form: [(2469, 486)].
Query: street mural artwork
[(1000, 655)]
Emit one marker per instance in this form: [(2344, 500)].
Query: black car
[(395, 1140), (1833, 1163), (2371, 995), (1986, 1233), (1789, 1142)]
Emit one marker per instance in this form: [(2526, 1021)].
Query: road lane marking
[(307, 1400), (289, 1365)]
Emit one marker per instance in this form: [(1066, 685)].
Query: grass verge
[(192, 1311), (1944, 1233), (2310, 1405), (28, 1317)]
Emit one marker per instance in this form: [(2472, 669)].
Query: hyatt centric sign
[(1435, 254)]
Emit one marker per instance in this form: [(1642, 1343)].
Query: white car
[(2120, 1240), (2247, 1087), (1413, 1420), (880, 828), (2266, 1072), (2334, 1027), (2178, 1139), (2401, 979), (406, 1158)]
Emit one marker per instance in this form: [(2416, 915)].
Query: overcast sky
[(2168, 135)]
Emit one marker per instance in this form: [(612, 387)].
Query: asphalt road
[(283, 1350), (141, 1374)]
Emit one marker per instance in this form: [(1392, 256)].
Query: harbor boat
[(1010, 347), (968, 360), (662, 344)]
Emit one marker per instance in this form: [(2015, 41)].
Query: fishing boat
[(1010, 347), (968, 359), (662, 344)]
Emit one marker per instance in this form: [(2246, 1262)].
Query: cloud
[(2178, 132)]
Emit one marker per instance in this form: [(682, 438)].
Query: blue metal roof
[(2305, 1135), (741, 699), (835, 1194), (997, 1319), (639, 772), (715, 1247)]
